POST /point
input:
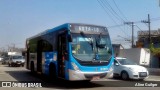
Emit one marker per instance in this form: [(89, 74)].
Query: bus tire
[(52, 72), (32, 68)]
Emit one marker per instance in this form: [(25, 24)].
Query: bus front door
[(61, 54)]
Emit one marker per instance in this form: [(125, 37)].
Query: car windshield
[(125, 61), (88, 47), (17, 57)]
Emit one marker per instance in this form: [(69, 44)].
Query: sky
[(21, 19)]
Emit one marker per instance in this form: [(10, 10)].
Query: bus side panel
[(49, 57), (66, 69)]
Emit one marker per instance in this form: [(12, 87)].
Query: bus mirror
[(70, 38)]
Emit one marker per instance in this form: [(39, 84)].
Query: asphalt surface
[(23, 76)]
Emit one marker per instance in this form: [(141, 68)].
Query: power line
[(107, 8), (119, 10), (119, 25), (106, 11), (112, 10), (123, 17), (104, 8), (155, 19), (139, 28)]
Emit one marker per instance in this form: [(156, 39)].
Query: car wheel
[(124, 75)]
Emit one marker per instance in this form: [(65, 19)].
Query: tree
[(154, 51)]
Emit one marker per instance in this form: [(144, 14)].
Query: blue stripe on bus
[(92, 68), (58, 28), (66, 70)]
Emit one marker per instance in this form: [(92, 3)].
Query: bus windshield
[(91, 47)]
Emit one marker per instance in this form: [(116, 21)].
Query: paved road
[(20, 74)]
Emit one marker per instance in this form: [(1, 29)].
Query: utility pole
[(132, 24), (149, 27)]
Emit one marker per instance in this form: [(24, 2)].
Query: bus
[(72, 51)]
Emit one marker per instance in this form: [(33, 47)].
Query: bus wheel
[(32, 68), (52, 72)]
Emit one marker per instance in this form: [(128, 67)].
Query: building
[(143, 38)]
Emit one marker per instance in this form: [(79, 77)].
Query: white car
[(15, 60), (127, 69)]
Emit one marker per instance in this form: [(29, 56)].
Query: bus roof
[(66, 25), (49, 30)]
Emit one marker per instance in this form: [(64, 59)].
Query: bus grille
[(90, 76)]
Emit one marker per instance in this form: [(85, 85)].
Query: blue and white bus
[(71, 51)]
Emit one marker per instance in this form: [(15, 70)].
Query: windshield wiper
[(90, 41)]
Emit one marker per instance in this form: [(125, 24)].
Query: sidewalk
[(154, 71)]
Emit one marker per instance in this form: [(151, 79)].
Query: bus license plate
[(95, 78)]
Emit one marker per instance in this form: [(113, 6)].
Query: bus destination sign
[(90, 29)]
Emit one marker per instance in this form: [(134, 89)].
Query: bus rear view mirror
[(70, 38)]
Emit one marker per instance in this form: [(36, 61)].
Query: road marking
[(107, 80), (151, 80)]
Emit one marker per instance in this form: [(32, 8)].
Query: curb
[(154, 71)]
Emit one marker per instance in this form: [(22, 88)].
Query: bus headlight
[(75, 67)]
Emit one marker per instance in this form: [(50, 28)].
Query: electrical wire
[(106, 11), (119, 10), (104, 7), (119, 25), (113, 11)]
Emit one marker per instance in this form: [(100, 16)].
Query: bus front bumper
[(79, 75)]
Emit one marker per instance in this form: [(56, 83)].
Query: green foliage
[(154, 51)]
